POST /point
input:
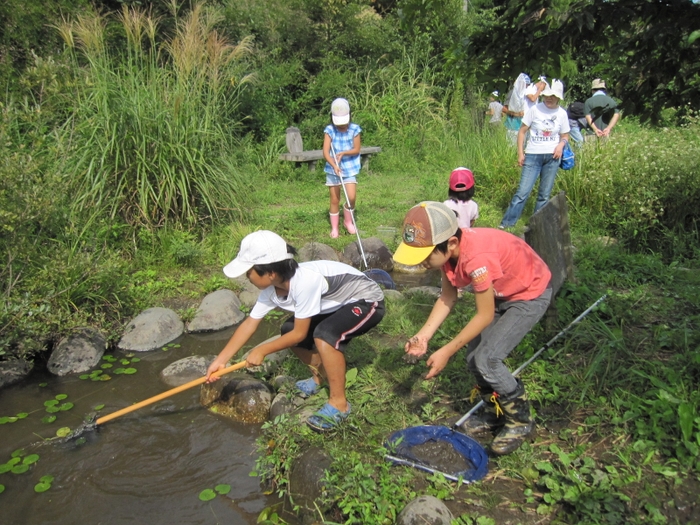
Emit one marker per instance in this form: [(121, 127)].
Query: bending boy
[(512, 291), (332, 303)]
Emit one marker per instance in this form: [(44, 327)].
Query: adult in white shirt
[(533, 92), (548, 126)]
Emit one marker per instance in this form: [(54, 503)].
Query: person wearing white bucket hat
[(548, 126)]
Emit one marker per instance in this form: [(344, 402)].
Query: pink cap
[(461, 179)]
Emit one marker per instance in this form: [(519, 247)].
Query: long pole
[(351, 210), (547, 345)]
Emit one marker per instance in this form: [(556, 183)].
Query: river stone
[(77, 353), (404, 268), (185, 370), (393, 295), (14, 371), (284, 403), (316, 251), (250, 293), (219, 309), (238, 397), (271, 361), (377, 254), (151, 329), (425, 510), (306, 485), (433, 291)]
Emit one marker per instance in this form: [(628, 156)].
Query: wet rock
[(376, 253), (14, 371), (433, 291), (238, 397), (284, 383), (218, 310), (306, 485), (403, 268), (151, 329), (77, 353), (271, 361), (284, 403), (316, 251), (393, 295), (185, 370), (425, 510), (250, 293)]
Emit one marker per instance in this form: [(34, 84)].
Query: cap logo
[(409, 233)]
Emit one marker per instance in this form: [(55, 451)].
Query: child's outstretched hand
[(416, 346), (215, 366), (437, 362)]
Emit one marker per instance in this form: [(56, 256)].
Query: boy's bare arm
[(238, 339), (288, 340)]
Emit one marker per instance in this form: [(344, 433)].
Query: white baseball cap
[(556, 89), (340, 111), (261, 247)]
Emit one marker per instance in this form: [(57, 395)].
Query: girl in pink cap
[(461, 192)]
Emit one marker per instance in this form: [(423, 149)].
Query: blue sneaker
[(308, 387), (327, 418)]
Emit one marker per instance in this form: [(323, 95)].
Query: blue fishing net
[(381, 277), (400, 445)]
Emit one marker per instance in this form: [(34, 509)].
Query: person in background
[(332, 303), (341, 149), (548, 125), (515, 106), (460, 194), (495, 110), (533, 92), (577, 121), (601, 110), (512, 291)]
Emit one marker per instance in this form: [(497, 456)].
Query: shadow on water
[(145, 467)]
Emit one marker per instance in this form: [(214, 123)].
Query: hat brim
[(236, 268), (411, 255), (341, 120)]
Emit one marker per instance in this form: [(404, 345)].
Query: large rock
[(425, 510), (432, 291), (285, 403), (316, 251), (219, 309), (376, 253), (185, 370), (238, 397), (250, 293), (77, 353), (14, 371), (306, 485), (151, 329)]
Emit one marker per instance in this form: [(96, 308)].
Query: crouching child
[(332, 303)]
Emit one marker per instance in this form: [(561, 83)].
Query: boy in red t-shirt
[(512, 292)]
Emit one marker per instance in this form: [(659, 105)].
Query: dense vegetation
[(138, 147)]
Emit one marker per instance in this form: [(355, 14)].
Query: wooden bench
[(296, 154)]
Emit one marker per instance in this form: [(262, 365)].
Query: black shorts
[(338, 328)]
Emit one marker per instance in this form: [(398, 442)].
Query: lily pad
[(20, 469), (61, 397), (42, 487), (130, 371), (105, 377), (125, 361), (98, 407), (19, 452), (84, 376), (223, 489), (207, 495), (46, 479), (135, 360), (2, 489), (22, 415), (52, 410), (11, 419), (32, 458), (5, 467), (66, 406), (42, 385), (4, 420), (51, 403), (48, 419), (106, 365), (63, 432)]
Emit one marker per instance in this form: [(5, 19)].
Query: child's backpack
[(575, 111)]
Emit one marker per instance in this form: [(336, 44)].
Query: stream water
[(145, 467)]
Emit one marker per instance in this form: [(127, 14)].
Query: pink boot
[(348, 222), (335, 217)]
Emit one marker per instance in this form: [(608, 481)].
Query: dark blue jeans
[(541, 165)]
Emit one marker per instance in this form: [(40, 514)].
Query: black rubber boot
[(519, 425), (488, 418)]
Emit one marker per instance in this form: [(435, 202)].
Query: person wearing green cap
[(512, 291)]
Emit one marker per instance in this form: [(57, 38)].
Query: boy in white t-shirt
[(332, 303), (548, 127)]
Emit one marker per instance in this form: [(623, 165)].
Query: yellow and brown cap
[(426, 225)]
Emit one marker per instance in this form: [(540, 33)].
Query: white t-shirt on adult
[(545, 127), (319, 287)]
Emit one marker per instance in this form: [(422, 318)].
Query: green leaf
[(67, 406), (135, 360), (61, 397), (5, 467), (223, 489), (350, 377), (19, 452), (22, 415), (14, 461), (2, 489), (130, 371), (63, 432), (52, 410), (125, 361), (118, 371), (207, 495), (98, 407), (46, 479), (42, 385), (106, 365), (693, 36), (42, 487), (32, 458), (84, 376), (4, 420), (686, 417), (20, 469), (51, 403)]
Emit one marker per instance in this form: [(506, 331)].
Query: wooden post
[(294, 142)]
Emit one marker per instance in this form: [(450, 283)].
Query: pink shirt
[(488, 256)]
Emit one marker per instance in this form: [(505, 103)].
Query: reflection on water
[(145, 467)]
